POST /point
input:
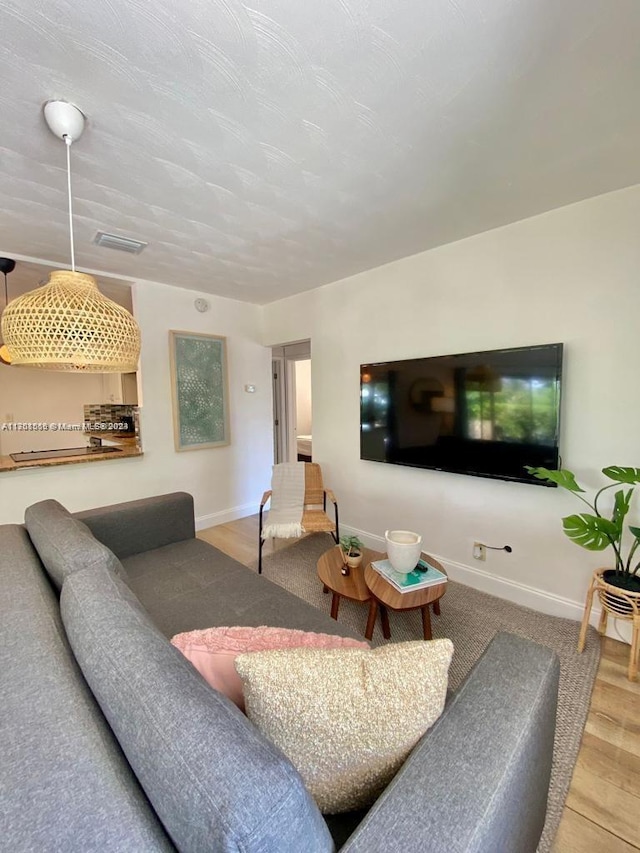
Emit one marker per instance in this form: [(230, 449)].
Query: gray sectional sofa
[(111, 740)]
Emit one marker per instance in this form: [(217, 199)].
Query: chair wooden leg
[(585, 618)]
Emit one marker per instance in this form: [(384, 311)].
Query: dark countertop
[(126, 452)]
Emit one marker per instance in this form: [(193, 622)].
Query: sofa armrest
[(478, 780), (138, 526)]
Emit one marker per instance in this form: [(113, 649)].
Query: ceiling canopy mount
[(65, 120)]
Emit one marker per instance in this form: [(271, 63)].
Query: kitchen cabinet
[(120, 388)]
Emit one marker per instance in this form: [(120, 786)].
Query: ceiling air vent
[(122, 244)]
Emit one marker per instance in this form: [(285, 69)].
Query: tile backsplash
[(102, 413)]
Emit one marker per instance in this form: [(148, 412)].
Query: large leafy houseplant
[(596, 532)]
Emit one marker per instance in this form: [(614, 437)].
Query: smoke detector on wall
[(202, 305)]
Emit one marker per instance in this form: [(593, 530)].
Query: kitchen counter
[(126, 452)]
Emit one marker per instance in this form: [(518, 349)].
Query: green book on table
[(422, 576)]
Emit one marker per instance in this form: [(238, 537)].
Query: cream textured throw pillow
[(346, 718)]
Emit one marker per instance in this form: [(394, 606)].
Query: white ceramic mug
[(403, 549)]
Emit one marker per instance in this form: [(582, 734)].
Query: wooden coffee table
[(383, 595), (350, 586)]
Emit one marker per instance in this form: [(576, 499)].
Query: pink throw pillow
[(213, 651)]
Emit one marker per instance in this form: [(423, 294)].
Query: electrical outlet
[(479, 551)]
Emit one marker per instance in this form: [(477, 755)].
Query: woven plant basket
[(619, 603), (69, 325)]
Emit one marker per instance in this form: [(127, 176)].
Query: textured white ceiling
[(264, 148)]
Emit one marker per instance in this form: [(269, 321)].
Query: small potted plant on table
[(352, 550), (618, 587)]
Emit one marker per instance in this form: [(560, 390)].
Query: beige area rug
[(469, 618)]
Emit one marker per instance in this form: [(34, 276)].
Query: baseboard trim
[(518, 593), (226, 515)]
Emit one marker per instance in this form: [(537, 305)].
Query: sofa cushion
[(65, 784), (189, 585), (64, 543), (215, 782), (347, 718), (213, 651)]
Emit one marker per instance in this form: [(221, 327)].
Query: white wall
[(32, 396), (227, 482), (571, 275), (303, 397)]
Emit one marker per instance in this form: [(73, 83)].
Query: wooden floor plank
[(616, 651), (618, 702), (615, 672), (577, 834), (610, 763), (615, 717), (239, 539), (605, 804)]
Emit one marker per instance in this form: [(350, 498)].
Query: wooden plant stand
[(621, 604)]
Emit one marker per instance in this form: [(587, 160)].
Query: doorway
[(292, 405)]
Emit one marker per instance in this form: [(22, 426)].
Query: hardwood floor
[(602, 812)]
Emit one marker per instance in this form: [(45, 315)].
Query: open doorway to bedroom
[(292, 404), (304, 450)]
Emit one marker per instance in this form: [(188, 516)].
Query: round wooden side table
[(384, 595), (350, 586)]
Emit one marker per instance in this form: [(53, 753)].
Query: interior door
[(279, 409)]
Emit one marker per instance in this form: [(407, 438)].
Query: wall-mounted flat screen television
[(483, 413)]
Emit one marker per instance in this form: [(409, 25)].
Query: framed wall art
[(199, 390)]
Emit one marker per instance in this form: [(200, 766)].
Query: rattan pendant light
[(68, 324)]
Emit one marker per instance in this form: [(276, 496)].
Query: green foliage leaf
[(351, 545), (589, 531), (635, 531), (564, 479), (622, 475), (621, 508)]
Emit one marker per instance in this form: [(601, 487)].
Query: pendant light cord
[(68, 142)]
